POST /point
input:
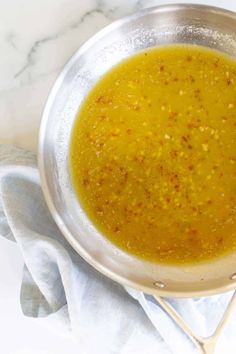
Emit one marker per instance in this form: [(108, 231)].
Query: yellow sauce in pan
[(153, 154)]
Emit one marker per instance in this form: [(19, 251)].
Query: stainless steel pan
[(207, 26)]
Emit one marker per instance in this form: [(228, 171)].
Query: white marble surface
[(36, 39)]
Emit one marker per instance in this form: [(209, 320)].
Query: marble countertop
[(36, 40)]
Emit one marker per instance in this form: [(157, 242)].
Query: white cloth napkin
[(58, 285)]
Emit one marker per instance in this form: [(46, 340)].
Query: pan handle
[(206, 345)]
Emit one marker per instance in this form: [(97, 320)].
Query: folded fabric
[(61, 287)]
